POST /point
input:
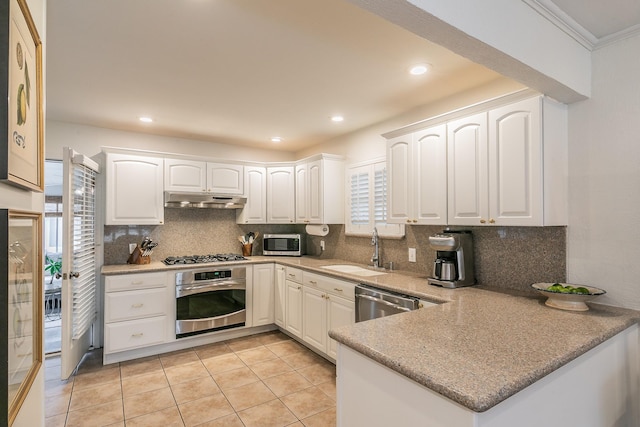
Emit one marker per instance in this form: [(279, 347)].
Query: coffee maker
[(453, 266)]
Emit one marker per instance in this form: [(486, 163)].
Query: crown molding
[(555, 15), (564, 22)]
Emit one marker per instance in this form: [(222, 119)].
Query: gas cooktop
[(201, 259)]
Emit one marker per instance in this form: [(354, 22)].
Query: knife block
[(137, 258)]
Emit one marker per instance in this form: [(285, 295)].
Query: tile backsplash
[(505, 257)]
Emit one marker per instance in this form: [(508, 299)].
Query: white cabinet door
[(314, 323), (255, 210), (515, 159), (293, 316), (468, 174), (225, 178), (263, 295), (315, 192), (399, 205), (302, 194), (185, 175), (280, 195), (134, 190), (340, 312), (280, 302), (429, 177)]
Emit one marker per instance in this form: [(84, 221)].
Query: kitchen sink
[(353, 269)]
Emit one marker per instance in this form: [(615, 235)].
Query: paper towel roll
[(317, 229)]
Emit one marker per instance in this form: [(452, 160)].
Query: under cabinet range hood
[(203, 200)]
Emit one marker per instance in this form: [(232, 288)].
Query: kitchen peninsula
[(480, 357)]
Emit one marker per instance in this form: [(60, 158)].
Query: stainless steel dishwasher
[(372, 303)]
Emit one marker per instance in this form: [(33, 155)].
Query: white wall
[(88, 140), (31, 413), (603, 245)]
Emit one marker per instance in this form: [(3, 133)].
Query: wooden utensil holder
[(137, 258)]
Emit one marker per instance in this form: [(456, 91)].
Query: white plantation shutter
[(84, 247), (367, 204), (380, 195), (359, 198)]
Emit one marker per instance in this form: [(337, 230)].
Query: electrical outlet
[(412, 254), (322, 245)]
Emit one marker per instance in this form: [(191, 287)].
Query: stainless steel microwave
[(283, 244)]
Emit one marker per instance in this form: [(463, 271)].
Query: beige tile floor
[(262, 380)]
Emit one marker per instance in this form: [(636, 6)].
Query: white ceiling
[(242, 71)]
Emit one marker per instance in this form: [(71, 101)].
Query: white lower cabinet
[(326, 303), (280, 288), (263, 295), (293, 302), (138, 311)]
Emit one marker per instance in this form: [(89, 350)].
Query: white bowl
[(573, 302)]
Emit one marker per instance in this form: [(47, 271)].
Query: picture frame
[(21, 118), (21, 302)]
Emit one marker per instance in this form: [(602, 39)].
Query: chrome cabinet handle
[(337, 289), (138, 335)]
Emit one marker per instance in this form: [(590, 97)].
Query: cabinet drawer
[(127, 282), (135, 304), (294, 274), (135, 333), (330, 285)]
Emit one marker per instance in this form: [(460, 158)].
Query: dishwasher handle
[(381, 301)]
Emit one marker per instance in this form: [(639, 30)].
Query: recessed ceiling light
[(146, 119), (337, 118), (419, 69), (276, 139)]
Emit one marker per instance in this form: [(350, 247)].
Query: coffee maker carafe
[(453, 266)]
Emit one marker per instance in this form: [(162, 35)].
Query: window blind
[(380, 196), (84, 249), (359, 198)]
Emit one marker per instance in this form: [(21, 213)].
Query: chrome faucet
[(375, 259)]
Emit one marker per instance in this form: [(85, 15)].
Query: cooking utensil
[(149, 249)]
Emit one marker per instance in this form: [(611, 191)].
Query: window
[(367, 200)]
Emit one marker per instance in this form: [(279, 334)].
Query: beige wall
[(368, 143)]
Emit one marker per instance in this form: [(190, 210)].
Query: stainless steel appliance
[(283, 244), (372, 303), (453, 266), (209, 299), (203, 200)]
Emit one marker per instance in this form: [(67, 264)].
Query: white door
[(78, 258), (400, 207), (429, 156)]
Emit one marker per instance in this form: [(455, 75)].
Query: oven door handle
[(182, 291), (383, 302)]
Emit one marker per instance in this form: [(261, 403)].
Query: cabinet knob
[(408, 221), (299, 287), (492, 221), (415, 220), (483, 221)]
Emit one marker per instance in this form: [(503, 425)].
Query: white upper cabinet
[(185, 175), (509, 166), (195, 177), (134, 189), (320, 191), (417, 167), (468, 174), (225, 178), (255, 210), (280, 195)]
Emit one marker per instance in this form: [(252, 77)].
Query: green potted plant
[(52, 266)]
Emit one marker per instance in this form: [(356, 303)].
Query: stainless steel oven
[(209, 299)]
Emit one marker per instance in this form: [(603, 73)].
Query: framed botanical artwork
[(21, 118), (21, 306)]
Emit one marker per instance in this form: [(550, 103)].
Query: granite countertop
[(477, 348)]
